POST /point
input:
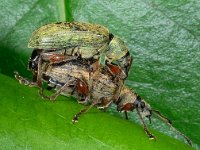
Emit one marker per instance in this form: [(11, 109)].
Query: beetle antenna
[(161, 116), (169, 123)]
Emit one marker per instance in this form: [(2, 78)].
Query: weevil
[(82, 39), (40, 60), (73, 77)]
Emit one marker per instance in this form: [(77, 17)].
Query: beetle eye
[(142, 105), (139, 98), (34, 54), (111, 36), (34, 59), (32, 65)]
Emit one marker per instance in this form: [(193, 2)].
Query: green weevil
[(82, 39)]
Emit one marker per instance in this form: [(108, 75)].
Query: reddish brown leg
[(82, 89), (116, 71), (55, 58)]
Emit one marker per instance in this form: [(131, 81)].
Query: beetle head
[(143, 107), (129, 101), (33, 61)]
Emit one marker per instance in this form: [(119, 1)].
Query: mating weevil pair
[(86, 61), (82, 39)]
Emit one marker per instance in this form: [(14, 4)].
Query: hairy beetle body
[(85, 39), (103, 90)]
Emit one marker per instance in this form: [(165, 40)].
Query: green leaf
[(28, 122)]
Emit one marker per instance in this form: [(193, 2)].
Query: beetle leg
[(82, 111), (126, 115), (150, 135), (125, 63), (82, 89), (169, 123), (52, 58), (39, 78), (120, 84), (84, 100), (41, 93), (92, 72), (58, 92), (55, 95), (95, 66), (24, 81), (115, 71), (39, 72), (104, 103), (73, 90), (55, 58)]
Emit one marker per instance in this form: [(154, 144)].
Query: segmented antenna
[(169, 123)]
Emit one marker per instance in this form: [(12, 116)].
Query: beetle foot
[(24, 81), (45, 97), (40, 92), (150, 135), (75, 119), (83, 101), (53, 98)]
